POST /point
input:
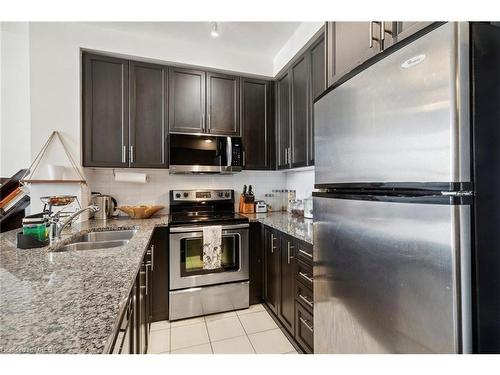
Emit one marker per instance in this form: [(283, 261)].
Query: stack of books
[(11, 200)]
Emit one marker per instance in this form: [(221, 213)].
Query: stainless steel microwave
[(205, 154)]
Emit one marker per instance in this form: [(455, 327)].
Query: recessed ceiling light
[(214, 32), (208, 140)]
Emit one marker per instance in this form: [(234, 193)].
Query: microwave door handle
[(229, 152)]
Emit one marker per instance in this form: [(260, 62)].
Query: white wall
[(299, 38), (15, 98)]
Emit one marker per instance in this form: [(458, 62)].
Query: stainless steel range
[(195, 290)]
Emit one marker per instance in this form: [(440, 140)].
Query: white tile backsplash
[(302, 181), (160, 182)]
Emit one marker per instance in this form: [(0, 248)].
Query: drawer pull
[(304, 275), (305, 253), (309, 303), (272, 243), (306, 323)]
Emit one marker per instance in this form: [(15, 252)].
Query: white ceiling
[(263, 39)]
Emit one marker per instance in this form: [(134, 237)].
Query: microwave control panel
[(237, 153)]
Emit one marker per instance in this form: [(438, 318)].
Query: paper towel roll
[(140, 178)]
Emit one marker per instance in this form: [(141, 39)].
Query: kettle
[(106, 203)]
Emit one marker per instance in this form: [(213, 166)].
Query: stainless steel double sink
[(99, 240)]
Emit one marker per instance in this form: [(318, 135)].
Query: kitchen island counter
[(69, 301)]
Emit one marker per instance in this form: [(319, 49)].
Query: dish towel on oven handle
[(212, 247)]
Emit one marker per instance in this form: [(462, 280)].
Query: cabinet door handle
[(372, 38), (305, 253), (203, 120), (306, 323), (309, 303), (272, 243), (244, 159), (382, 31), (305, 276), (289, 248), (208, 121), (152, 257), (131, 154), (147, 277), (124, 154), (370, 43)]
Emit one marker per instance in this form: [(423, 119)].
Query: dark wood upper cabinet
[(186, 100), (255, 124), (405, 29), (283, 121), (286, 309), (300, 112), (318, 85), (148, 115), (105, 111), (349, 44), (318, 69), (223, 104)]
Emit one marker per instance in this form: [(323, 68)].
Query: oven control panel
[(201, 195)]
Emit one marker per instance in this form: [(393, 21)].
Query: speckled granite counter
[(67, 302), (297, 227)]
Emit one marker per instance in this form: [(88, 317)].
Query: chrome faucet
[(56, 226)]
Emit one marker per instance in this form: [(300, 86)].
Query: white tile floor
[(247, 331)]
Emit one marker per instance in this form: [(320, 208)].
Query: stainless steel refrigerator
[(406, 207)]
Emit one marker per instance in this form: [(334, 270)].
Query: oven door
[(186, 257)]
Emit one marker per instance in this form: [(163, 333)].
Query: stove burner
[(194, 210)]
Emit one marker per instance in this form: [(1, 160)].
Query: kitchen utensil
[(141, 211), (106, 203), (260, 206)]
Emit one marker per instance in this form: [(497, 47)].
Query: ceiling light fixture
[(214, 32)]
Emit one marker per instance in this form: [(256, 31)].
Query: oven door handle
[(199, 228)]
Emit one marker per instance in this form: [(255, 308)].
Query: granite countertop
[(298, 227), (67, 302)]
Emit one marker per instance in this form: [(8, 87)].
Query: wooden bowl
[(141, 211)]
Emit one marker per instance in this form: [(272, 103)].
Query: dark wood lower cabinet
[(304, 329), (132, 336), (288, 284), (256, 262), (272, 274), (160, 274), (286, 308)]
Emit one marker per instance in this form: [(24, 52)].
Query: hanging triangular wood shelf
[(30, 172), (53, 181)]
